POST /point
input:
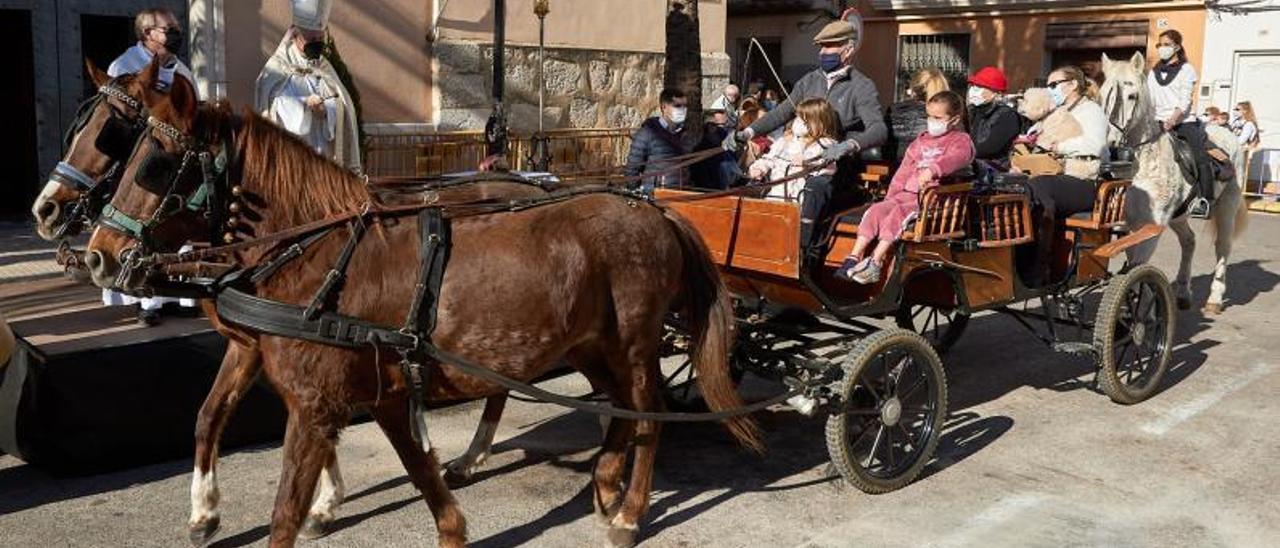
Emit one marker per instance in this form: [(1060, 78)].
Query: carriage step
[(1078, 348)]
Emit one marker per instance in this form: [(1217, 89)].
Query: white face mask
[(1166, 52), (799, 128), (678, 114), (937, 128), (976, 96)]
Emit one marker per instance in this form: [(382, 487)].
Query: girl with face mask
[(942, 149), (812, 131)]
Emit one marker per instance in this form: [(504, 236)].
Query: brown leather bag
[(1034, 163)]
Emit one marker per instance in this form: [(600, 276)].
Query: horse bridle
[(204, 197), (70, 176), (1112, 103)]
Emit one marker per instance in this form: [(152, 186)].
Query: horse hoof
[(458, 476), (1211, 309), (622, 537), (607, 512), (314, 527), (1184, 303), (201, 533)]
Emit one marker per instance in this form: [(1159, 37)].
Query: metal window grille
[(947, 52)]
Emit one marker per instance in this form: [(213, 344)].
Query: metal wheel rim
[(1141, 324), (885, 449), (928, 322)]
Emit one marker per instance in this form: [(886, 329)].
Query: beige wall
[(1014, 42), (626, 25), (382, 42)]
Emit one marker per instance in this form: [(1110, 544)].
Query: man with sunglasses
[(158, 33)]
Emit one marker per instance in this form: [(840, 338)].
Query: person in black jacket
[(907, 117), (993, 124), (659, 138)]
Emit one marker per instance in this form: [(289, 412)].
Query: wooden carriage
[(958, 257)]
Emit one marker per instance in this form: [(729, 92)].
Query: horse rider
[(857, 105), (300, 91), (1172, 84), (158, 33)]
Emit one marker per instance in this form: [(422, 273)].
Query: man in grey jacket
[(854, 98)]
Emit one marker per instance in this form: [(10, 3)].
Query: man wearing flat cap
[(854, 98)]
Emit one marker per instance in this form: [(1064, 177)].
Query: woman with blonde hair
[(907, 117), (1245, 124), (813, 130)]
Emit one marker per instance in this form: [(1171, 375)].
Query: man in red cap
[(993, 124)]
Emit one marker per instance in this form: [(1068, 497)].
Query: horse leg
[(460, 471), (1187, 240), (239, 367), (308, 445), (611, 462), (424, 472), (642, 395), (1226, 215), (325, 508)]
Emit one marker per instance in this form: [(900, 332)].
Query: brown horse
[(99, 141), (586, 281)]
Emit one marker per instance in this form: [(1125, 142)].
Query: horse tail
[(710, 319), (1242, 219)]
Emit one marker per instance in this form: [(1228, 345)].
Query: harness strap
[(288, 320), (290, 253), (68, 175), (338, 272), (121, 222), (433, 251)]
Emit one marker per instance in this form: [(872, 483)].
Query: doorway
[(18, 142), (102, 39)]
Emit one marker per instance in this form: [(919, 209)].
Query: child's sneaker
[(850, 267), (868, 275)]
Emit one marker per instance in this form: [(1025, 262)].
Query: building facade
[(1242, 63)]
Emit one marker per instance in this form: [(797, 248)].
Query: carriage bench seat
[(1108, 208), (943, 215)]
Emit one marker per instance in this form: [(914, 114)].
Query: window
[(946, 52)]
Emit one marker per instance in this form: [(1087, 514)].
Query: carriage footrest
[(1078, 348)]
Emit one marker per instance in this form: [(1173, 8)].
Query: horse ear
[(99, 78), (182, 94), (150, 75), (1106, 62), (1138, 61)]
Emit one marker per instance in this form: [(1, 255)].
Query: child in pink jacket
[(941, 150)]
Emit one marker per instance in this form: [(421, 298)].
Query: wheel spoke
[(904, 394), (875, 447), (868, 385), (906, 435), (888, 447)]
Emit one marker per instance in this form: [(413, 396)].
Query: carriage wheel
[(942, 327), (1134, 334), (893, 401)]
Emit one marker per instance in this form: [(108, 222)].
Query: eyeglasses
[(1055, 83)]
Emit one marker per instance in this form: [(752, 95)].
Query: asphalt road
[(1031, 456)]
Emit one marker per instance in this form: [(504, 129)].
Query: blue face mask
[(1059, 98), (830, 62)]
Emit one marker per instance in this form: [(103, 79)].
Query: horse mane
[(296, 183)]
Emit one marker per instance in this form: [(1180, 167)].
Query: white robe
[(283, 87), (132, 61)]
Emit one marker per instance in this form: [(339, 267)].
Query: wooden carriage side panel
[(981, 289), (746, 233), (1004, 220)]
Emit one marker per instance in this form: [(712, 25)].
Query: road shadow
[(1246, 280), (27, 486)]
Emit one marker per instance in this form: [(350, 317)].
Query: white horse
[(1159, 187)]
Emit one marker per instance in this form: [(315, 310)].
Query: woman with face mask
[(994, 125), (907, 117), (1058, 196), (1172, 84)]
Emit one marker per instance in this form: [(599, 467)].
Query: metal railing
[(431, 154)]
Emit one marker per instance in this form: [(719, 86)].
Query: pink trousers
[(883, 220)]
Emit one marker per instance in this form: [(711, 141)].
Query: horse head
[(159, 202), (1125, 100), (102, 136)]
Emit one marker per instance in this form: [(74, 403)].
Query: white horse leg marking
[(1187, 239), (1224, 220), (204, 497), (330, 493)]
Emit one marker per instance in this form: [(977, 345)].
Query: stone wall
[(584, 88)]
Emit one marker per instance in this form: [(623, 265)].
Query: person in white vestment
[(299, 90), (158, 33)]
